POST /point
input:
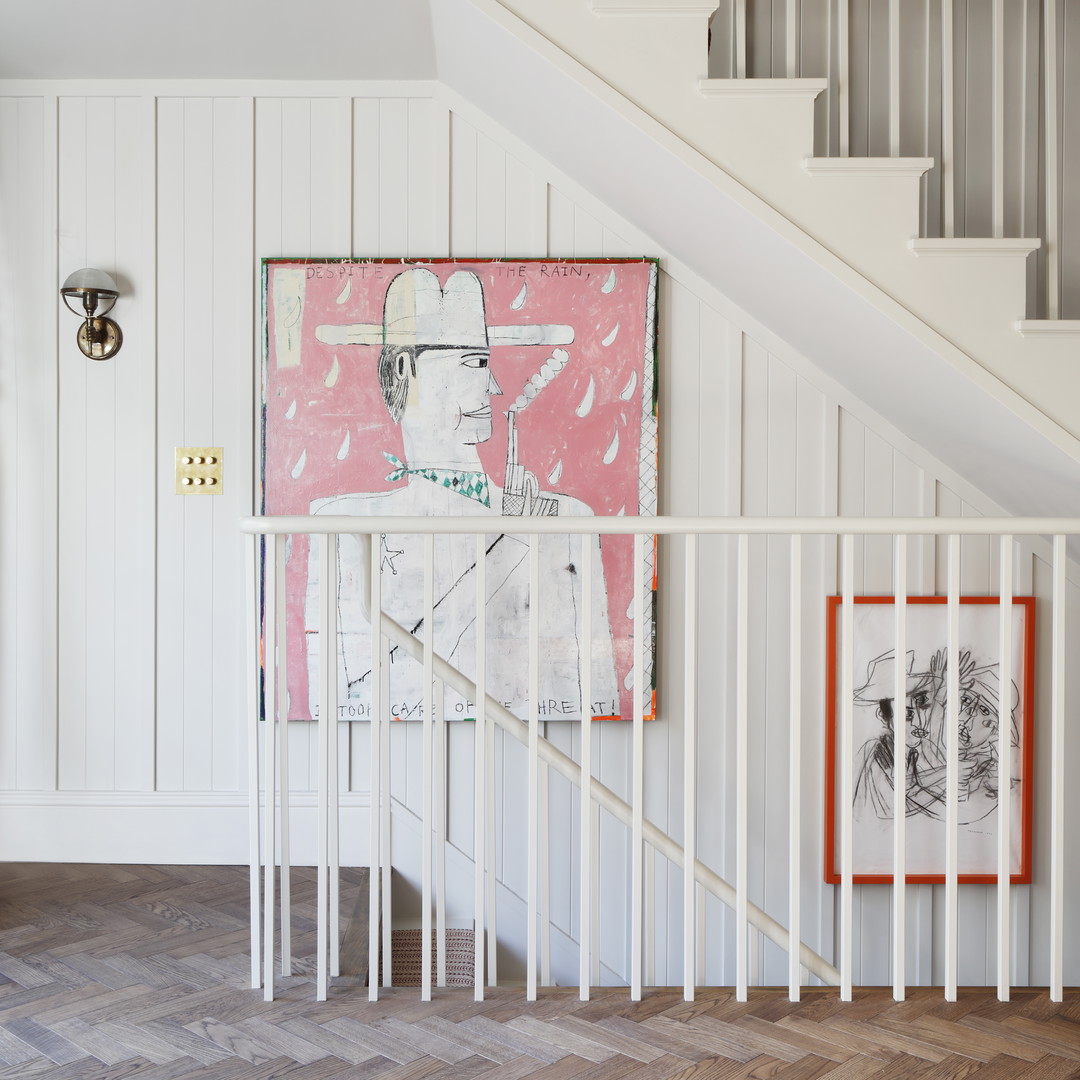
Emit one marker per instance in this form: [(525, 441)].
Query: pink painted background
[(549, 431)]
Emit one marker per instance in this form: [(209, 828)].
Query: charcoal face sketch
[(494, 387), (924, 726), (913, 734)]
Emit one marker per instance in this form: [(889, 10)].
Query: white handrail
[(542, 752), (285, 525)]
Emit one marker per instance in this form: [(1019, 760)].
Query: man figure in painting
[(436, 382), (874, 784)]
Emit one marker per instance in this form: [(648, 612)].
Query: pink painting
[(480, 388)]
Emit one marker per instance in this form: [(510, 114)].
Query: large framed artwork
[(465, 388), (982, 779)]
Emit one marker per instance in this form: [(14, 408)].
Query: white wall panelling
[(106, 454), (124, 627), (28, 419)]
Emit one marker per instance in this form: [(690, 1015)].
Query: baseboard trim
[(159, 827)]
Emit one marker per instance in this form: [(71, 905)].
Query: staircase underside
[(740, 245)]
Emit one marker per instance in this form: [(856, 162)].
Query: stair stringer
[(852, 328)]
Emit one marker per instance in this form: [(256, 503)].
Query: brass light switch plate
[(198, 470)]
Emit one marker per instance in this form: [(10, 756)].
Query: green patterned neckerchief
[(473, 485)]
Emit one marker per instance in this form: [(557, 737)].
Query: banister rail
[(285, 525), (952, 679)]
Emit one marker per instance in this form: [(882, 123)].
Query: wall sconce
[(95, 292)]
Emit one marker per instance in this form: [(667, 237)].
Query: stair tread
[(763, 87), (862, 166), (972, 245)]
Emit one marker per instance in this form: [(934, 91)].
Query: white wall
[(122, 681)]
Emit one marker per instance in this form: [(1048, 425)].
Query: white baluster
[(843, 92), (1051, 169), (847, 764), (948, 150), (997, 121), (480, 752), (952, 766), (899, 727), (326, 547), (794, 768), (585, 869), (1005, 761), (1057, 776), (741, 768), (270, 628), (251, 570), (690, 647), (377, 733), (426, 774), (439, 785), (282, 675), (637, 782), (532, 883), (894, 78)]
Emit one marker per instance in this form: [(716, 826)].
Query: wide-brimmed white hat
[(418, 311)]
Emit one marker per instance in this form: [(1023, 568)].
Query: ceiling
[(236, 39)]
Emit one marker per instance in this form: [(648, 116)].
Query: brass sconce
[(95, 292)]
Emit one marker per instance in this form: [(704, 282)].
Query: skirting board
[(166, 827)]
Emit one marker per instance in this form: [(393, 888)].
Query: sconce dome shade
[(89, 284)]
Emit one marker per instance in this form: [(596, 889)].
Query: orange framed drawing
[(982, 701)]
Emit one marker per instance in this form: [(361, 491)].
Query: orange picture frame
[(926, 663)]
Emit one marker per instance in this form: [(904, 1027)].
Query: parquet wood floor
[(109, 972)]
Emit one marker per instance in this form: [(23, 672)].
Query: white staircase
[(969, 295)]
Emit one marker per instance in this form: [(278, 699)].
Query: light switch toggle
[(198, 470)]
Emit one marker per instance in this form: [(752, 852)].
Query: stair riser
[(858, 217)]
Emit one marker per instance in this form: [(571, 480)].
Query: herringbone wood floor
[(142, 971)]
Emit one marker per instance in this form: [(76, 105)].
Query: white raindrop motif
[(586, 405), (344, 294), (556, 473), (290, 412), (332, 375), (611, 337), (613, 448), (622, 511), (630, 609), (298, 468), (609, 285), (343, 450), (294, 308), (628, 682), (628, 390), (519, 301)]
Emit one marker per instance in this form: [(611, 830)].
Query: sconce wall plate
[(99, 338), (95, 292)]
